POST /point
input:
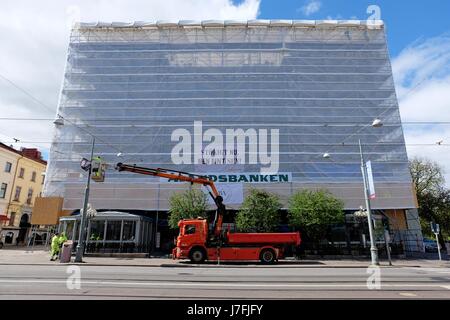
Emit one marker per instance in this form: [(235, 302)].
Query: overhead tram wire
[(419, 123), (53, 111)]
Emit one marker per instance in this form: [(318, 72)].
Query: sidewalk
[(40, 256)]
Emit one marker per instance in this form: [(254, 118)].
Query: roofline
[(258, 23), (6, 147)]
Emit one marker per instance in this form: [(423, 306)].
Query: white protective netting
[(320, 84)]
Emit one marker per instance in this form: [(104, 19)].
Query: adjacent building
[(279, 105), (22, 179)]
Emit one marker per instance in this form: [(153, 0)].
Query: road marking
[(407, 294), (213, 284)]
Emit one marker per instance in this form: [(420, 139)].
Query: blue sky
[(406, 21)]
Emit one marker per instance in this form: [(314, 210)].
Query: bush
[(260, 212), (187, 205), (315, 211)]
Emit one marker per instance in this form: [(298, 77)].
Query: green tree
[(260, 212), (187, 205), (314, 211), (432, 196)]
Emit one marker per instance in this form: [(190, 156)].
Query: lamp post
[(377, 123), (59, 121), (373, 248), (81, 239)]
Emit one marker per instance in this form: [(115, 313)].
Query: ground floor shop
[(111, 232), (139, 231)]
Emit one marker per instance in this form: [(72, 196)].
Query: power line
[(52, 110), (209, 121)]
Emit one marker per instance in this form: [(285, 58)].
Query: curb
[(166, 265)]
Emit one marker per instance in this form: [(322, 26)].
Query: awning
[(3, 218)]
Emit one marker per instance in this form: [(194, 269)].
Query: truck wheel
[(197, 255), (267, 256)]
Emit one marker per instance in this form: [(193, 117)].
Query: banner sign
[(281, 177), (232, 193), (371, 184)]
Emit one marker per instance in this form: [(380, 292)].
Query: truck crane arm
[(186, 177)]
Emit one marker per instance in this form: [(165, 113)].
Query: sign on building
[(371, 184), (232, 193)]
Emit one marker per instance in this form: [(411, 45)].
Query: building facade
[(22, 180), (252, 104)]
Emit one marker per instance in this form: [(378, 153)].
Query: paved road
[(122, 282)]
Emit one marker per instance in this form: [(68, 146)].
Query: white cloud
[(422, 75), (311, 7), (35, 36)]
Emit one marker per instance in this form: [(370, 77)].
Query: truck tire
[(197, 255), (267, 256)]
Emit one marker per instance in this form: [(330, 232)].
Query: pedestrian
[(55, 247)]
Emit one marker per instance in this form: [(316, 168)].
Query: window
[(33, 176), (8, 167), (29, 196), (43, 179), (3, 191), (97, 230), (129, 228), (21, 173), (12, 217), (113, 230), (189, 229), (17, 194)]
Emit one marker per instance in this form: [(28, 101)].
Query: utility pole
[(373, 248), (81, 240)]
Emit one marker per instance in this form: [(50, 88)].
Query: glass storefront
[(111, 231)]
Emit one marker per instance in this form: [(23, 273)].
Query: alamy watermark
[(261, 145), (73, 281), (374, 280), (375, 16)]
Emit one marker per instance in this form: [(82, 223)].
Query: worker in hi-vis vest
[(55, 247)]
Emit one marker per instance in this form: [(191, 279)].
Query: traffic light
[(98, 169)]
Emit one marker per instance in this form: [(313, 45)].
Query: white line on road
[(243, 285)]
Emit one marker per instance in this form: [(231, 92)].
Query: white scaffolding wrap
[(321, 83)]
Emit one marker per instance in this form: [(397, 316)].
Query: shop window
[(69, 229), (97, 231), (113, 230), (129, 230)]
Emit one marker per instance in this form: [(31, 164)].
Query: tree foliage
[(314, 211), (427, 176), (187, 205), (432, 196), (260, 212)]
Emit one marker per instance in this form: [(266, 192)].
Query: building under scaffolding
[(308, 88)]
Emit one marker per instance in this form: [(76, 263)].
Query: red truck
[(198, 243)]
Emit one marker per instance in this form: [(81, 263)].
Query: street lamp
[(373, 248), (377, 123), (81, 240), (86, 165)]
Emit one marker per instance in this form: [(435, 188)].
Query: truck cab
[(193, 234)]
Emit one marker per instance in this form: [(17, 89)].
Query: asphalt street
[(125, 282)]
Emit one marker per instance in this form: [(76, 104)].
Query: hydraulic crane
[(186, 177), (198, 244)]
